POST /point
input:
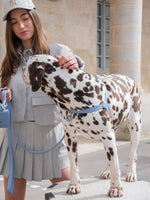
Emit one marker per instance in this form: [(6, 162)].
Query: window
[(103, 32)]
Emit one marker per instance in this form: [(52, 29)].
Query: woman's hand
[(8, 95), (68, 61)]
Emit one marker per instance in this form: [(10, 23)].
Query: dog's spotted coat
[(75, 89)]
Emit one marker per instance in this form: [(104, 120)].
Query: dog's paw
[(105, 175), (74, 189), (131, 177), (115, 192)]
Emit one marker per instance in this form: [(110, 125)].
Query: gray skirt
[(34, 167)]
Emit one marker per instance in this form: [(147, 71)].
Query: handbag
[(7, 122)]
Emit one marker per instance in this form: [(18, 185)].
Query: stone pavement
[(96, 189), (92, 163)]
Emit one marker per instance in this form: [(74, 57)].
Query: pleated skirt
[(30, 166)]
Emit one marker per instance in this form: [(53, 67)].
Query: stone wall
[(2, 33), (70, 22), (145, 61)]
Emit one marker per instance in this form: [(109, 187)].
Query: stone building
[(112, 36)]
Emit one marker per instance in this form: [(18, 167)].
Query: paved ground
[(91, 163)]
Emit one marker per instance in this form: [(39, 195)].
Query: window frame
[(103, 45)]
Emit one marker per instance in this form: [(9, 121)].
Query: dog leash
[(89, 110), (5, 119), (9, 125), (37, 152)]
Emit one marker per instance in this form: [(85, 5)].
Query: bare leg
[(65, 175), (106, 173), (19, 189)]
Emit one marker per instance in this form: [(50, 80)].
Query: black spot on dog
[(88, 83), (97, 90), (56, 64), (74, 147), (85, 89), (62, 86), (67, 134), (35, 75), (108, 156), (69, 141), (109, 138), (80, 77), (95, 122), (94, 132), (73, 82), (111, 151), (70, 71)]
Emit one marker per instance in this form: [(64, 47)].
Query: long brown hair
[(11, 60)]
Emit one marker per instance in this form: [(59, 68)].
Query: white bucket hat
[(10, 5)]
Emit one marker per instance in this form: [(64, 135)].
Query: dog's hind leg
[(134, 135), (134, 124)]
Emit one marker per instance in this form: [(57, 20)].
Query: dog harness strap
[(89, 110)]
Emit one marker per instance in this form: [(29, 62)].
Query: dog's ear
[(36, 74)]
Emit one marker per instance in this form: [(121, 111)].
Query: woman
[(36, 118)]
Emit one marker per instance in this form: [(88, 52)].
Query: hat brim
[(23, 7)]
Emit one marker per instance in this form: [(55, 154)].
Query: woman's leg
[(65, 175), (19, 189)]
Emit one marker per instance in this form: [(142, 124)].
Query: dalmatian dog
[(107, 102)]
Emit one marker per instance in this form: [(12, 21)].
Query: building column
[(125, 38), (125, 44)]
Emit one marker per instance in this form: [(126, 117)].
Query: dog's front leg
[(75, 185), (109, 142)]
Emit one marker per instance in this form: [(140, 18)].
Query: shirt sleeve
[(61, 50), (81, 63)]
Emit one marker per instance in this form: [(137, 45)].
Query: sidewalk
[(92, 163)]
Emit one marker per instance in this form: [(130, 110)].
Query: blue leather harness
[(89, 110)]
